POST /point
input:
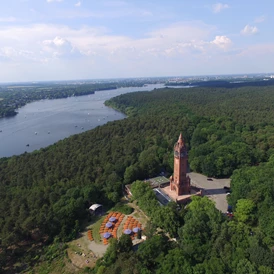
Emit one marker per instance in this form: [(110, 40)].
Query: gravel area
[(98, 249), (213, 189)]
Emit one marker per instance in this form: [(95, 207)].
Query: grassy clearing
[(139, 214), (61, 264), (123, 208), (95, 229), (57, 266), (75, 248)]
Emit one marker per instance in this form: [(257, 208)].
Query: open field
[(95, 229)]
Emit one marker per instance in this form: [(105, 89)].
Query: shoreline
[(55, 120)]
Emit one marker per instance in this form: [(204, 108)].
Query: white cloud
[(260, 19), (58, 47), (216, 8), (221, 42), (146, 13), (7, 19), (62, 52), (10, 53), (249, 30), (187, 31), (56, 41), (78, 4)]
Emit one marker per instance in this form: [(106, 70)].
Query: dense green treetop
[(247, 106)]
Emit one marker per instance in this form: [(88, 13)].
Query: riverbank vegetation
[(45, 195), (14, 96)]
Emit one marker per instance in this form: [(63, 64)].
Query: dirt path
[(80, 253), (98, 249)]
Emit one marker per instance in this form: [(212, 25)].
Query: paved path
[(214, 189)]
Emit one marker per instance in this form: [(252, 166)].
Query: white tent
[(96, 208)]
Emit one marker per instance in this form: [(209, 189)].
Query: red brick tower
[(180, 182)]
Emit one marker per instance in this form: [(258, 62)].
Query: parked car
[(209, 179), (226, 187)]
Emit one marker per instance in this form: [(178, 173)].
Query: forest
[(44, 195)]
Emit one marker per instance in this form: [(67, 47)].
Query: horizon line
[(137, 77)]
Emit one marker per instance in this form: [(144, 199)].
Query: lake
[(42, 123)]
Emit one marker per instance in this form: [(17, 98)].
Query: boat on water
[(48, 132), (35, 133), (27, 145)]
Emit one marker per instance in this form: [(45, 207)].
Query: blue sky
[(87, 39)]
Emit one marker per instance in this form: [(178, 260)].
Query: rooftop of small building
[(157, 181), (154, 182), (161, 196)]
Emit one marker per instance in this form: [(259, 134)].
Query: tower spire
[(181, 140)]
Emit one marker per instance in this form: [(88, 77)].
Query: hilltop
[(228, 133)]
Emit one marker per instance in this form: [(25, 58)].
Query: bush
[(125, 209)]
